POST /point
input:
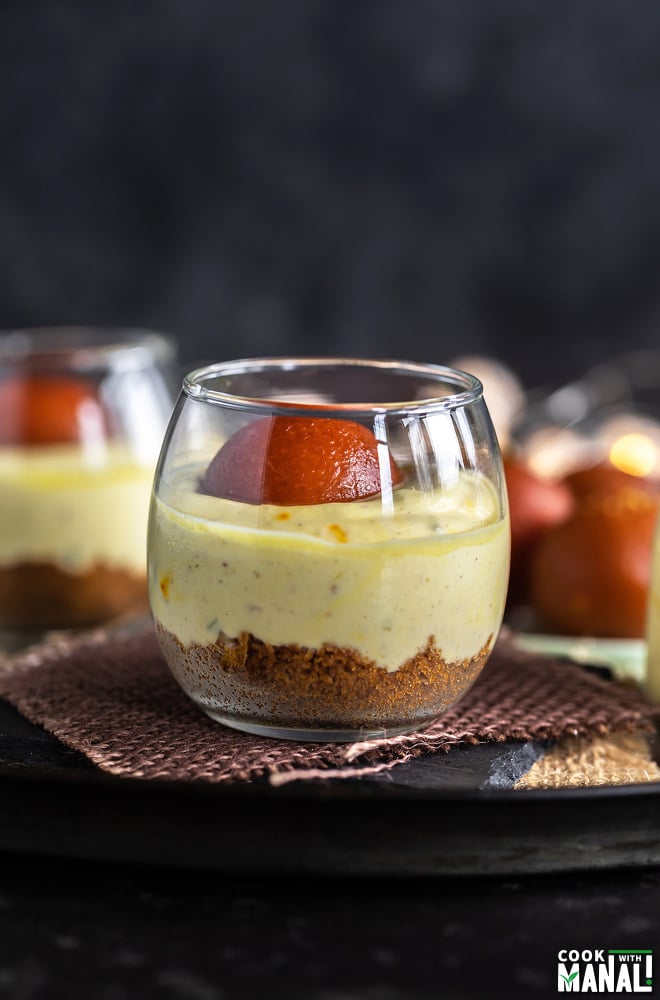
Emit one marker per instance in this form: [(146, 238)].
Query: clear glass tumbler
[(82, 417), (328, 544)]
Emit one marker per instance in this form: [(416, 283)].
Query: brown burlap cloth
[(110, 695)]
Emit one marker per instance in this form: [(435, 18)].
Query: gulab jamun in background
[(48, 410), (590, 575)]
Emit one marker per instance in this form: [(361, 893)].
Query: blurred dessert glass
[(328, 544), (82, 416)]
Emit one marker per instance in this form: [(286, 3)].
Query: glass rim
[(85, 348), (470, 391)]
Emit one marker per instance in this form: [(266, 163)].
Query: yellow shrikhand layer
[(350, 574), (60, 506)]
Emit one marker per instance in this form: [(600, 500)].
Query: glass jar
[(82, 416), (328, 544)]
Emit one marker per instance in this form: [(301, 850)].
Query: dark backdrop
[(378, 177)]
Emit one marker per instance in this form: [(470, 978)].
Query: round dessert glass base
[(314, 735)]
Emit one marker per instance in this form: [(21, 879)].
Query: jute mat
[(616, 759), (110, 695)]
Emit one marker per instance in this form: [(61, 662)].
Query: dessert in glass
[(328, 544), (82, 416)]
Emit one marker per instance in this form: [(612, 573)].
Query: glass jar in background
[(82, 416), (328, 544)]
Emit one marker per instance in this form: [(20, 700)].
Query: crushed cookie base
[(42, 595), (329, 694)]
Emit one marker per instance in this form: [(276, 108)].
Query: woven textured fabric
[(616, 759), (111, 696)]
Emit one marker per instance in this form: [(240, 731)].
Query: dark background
[(377, 177)]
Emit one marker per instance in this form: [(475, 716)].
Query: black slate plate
[(451, 813)]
